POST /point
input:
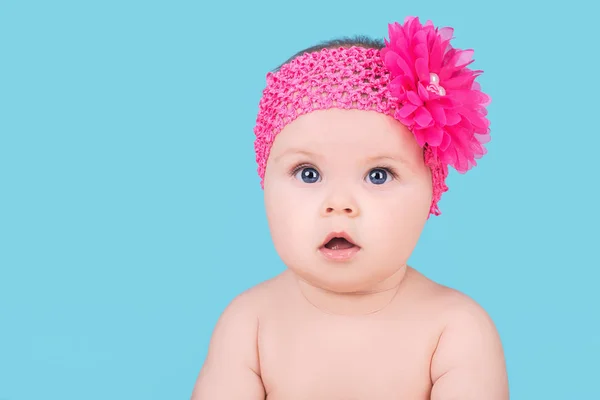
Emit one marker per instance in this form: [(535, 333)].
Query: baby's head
[(355, 137)]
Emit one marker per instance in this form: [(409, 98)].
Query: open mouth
[(339, 243), (338, 246)]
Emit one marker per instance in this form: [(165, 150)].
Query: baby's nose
[(340, 207)]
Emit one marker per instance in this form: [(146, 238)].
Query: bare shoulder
[(254, 299), (242, 315), (468, 362), (233, 350), (253, 302), (261, 298), (447, 303)]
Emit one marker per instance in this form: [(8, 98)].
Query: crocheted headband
[(418, 78)]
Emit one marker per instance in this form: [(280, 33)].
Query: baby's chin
[(343, 279)]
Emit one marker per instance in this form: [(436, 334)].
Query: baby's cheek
[(391, 226), (290, 225), (397, 228)]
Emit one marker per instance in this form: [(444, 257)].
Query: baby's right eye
[(308, 175)]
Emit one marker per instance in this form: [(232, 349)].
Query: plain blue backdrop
[(131, 212)]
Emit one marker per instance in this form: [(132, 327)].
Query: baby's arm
[(231, 369), (469, 363)]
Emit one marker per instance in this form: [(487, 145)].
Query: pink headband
[(418, 78)]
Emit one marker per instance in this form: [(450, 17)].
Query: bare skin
[(417, 340), (365, 328)]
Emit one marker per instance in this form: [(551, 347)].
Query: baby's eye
[(378, 176), (308, 175)]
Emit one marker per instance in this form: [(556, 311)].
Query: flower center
[(434, 85)]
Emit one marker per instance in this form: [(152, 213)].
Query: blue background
[(131, 212)]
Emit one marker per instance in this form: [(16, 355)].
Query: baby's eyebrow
[(383, 157), (370, 159), (294, 151)]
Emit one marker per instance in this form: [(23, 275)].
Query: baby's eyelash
[(293, 171), (390, 170)]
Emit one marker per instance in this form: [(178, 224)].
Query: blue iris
[(309, 175), (378, 176)]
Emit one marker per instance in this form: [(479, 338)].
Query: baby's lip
[(341, 235)]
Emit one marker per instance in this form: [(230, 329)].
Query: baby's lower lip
[(340, 254)]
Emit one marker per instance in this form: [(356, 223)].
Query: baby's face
[(349, 171)]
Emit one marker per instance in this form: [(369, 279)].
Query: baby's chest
[(384, 360)]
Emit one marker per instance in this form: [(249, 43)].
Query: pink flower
[(440, 101)]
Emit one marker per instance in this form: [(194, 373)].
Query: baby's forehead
[(340, 118), (358, 131)]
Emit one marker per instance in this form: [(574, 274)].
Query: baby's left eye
[(378, 176)]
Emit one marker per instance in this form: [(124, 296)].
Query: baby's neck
[(372, 301)]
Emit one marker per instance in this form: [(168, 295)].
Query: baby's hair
[(359, 41)]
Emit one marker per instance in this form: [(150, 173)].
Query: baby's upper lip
[(341, 234)]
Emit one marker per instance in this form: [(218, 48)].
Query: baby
[(354, 139)]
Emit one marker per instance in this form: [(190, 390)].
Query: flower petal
[(446, 33), (437, 112), (422, 69), (397, 88), (435, 57), (414, 98), (452, 117), (421, 51), (435, 135), (475, 118), (389, 58), (446, 140), (420, 136), (461, 81), (483, 139), (423, 118), (397, 64), (406, 110), (449, 156), (462, 58), (423, 93)]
